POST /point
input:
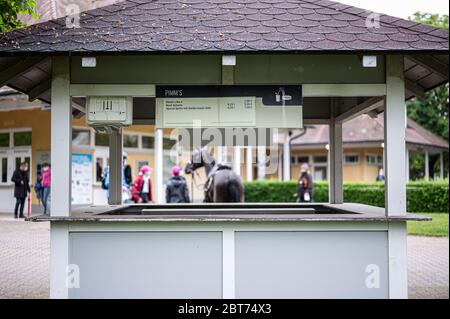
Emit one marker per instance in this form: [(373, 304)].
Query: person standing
[(142, 186), (46, 183), (177, 190), (21, 188), (305, 185), (380, 176)]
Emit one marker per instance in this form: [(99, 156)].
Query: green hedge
[(422, 196)]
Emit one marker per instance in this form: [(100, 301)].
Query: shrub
[(422, 196)]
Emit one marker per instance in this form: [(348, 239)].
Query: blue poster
[(82, 179)]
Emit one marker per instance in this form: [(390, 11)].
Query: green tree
[(432, 112), (10, 11)]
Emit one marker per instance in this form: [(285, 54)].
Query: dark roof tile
[(246, 36), (327, 45), (278, 37), (204, 25), (341, 37), (275, 23), (309, 37), (263, 45)]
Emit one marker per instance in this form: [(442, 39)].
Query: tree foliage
[(432, 112), (10, 11)]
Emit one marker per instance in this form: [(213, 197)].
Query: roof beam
[(415, 88), (79, 107), (362, 108), (431, 64), (39, 89), (18, 69)]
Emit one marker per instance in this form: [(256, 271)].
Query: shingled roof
[(226, 25), (367, 130)]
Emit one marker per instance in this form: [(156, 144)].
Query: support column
[(394, 138), (395, 184), (407, 164), (287, 158), (115, 168), (237, 160), (249, 163), (61, 138), (335, 155), (261, 162), (427, 165), (159, 183), (441, 165)]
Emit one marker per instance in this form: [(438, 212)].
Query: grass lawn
[(437, 227)]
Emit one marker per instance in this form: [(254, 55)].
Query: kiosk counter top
[(229, 212)]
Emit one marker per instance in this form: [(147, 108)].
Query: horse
[(223, 185)]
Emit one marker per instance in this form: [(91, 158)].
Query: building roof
[(367, 130), (227, 25), (249, 26)]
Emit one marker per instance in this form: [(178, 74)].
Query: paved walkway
[(25, 250)]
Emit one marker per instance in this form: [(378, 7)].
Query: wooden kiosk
[(344, 68)]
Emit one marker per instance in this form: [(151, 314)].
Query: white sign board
[(229, 106)]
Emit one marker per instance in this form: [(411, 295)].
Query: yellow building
[(25, 136), (363, 142)]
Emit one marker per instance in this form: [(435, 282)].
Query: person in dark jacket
[(305, 185), (21, 188), (177, 190)]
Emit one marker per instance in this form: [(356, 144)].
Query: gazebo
[(340, 60)]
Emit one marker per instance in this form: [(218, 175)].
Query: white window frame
[(376, 159), (351, 163), (9, 153)]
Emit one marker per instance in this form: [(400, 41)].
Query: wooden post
[(394, 138), (335, 155), (115, 168), (61, 138), (395, 184), (427, 165), (159, 183), (249, 164), (286, 158)]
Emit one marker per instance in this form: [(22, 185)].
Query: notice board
[(229, 106)]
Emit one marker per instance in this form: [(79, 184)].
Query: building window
[(351, 159), (4, 170), (320, 159), (320, 167), (4, 139), (101, 139), (148, 142), (293, 160), (303, 160), (320, 173), (81, 137), (375, 160), (168, 143), (22, 138), (131, 141)]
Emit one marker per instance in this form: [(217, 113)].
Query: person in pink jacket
[(46, 183)]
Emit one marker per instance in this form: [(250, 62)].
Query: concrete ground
[(25, 252)]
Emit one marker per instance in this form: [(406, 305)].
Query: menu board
[(209, 112), (229, 106), (81, 179)]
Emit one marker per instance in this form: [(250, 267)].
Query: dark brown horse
[(222, 185)]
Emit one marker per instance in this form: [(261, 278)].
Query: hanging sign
[(229, 106)]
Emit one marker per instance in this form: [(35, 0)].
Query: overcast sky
[(401, 8)]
